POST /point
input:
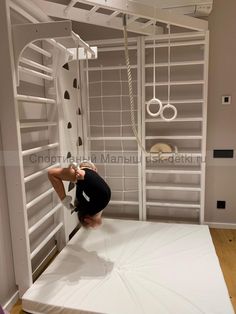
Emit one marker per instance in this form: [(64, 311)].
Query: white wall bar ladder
[(22, 36)]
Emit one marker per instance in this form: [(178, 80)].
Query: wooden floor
[(225, 245)]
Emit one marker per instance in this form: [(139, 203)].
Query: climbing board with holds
[(71, 123)]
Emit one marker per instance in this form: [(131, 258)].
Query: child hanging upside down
[(92, 192)]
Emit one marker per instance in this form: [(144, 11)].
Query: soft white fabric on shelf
[(132, 267)]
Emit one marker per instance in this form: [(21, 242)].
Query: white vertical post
[(143, 109), (12, 155), (139, 111), (204, 127), (58, 57)]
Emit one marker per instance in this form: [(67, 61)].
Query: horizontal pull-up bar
[(82, 43)]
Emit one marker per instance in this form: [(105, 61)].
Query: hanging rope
[(131, 97)]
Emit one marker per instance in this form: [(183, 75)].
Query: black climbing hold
[(71, 186), (69, 125), (66, 95), (66, 66), (68, 155), (75, 83), (80, 142)]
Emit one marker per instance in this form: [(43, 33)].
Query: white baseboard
[(11, 302), (220, 225)]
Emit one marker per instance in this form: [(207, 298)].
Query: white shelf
[(185, 152), (172, 64), (123, 202), (182, 220), (118, 163), (109, 68), (176, 44), (35, 99), (112, 138), (111, 81), (167, 203), (174, 170), (122, 178), (181, 101), (112, 111), (111, 96), (176, 137), (173, 187), (113, 151), (175, 83), (110, 126), (193, 118), (27, 125), (189, 151)]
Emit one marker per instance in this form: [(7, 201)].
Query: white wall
[(7, 276)]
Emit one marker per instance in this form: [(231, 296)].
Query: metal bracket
[(24, 34)]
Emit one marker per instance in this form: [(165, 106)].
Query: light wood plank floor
[(225, 245)]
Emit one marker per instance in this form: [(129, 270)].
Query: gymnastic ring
[(151, 102), (166, 107)]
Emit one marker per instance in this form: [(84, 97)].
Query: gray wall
[(221, 128)]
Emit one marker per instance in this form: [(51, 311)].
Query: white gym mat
[(132, 267)]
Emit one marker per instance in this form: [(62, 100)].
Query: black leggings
[(92, 194)]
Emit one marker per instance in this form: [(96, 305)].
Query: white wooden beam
[(131, 19), (93, 10), (147, 24), (23, 34), (69, 6), (114, 14), (80, 15), (150, 12), (28, 10), (163, 4)]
